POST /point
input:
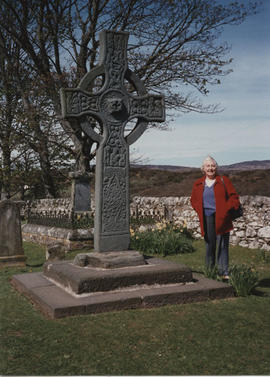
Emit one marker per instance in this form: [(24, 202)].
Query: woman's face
[(210, 169)]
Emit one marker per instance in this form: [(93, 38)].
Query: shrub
[(165, 239), (243, 279)]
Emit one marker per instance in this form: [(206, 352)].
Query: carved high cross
[(113, 107)]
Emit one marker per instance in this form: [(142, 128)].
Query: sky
[(239, 133)]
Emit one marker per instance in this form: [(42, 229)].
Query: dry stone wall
[(48, 206), (252, 230)]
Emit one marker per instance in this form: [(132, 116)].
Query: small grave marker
[(11, 250)]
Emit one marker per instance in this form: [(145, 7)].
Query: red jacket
[(224, 202)]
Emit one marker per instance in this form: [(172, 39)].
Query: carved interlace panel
[(114, 208), (78, 102), (115, 59), (150, 107), (116, 149)]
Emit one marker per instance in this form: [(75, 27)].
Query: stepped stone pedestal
[(66, 289), (80, 280)]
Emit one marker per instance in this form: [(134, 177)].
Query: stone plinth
[(113, 259), (55, 302), (80, 280)]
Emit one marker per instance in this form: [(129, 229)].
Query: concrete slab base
[(56, 302)]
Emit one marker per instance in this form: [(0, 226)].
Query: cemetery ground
[(221, 337)]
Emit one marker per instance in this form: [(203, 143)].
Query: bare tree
[(8, 107), (26, 122), (174, 46)]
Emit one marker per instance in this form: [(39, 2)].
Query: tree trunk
[(6, 173), (46, 172)]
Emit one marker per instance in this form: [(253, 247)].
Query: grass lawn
[(222, 337)]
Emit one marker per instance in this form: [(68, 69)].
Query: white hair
[(208, 159)]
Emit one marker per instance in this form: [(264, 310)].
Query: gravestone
[(11, 250), (113, 107), (81, 191)]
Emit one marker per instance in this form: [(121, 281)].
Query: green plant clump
[(136, 222), (264, 256), (210, 272), (163, 241), (243, 279)]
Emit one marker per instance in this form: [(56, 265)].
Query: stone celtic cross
[(112, 106)]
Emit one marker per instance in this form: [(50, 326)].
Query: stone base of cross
[(113, 107)]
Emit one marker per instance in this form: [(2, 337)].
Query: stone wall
[(46, 206), (71, 239), (252, 230), (59, 212)]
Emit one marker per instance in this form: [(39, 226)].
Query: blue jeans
[(211, 241)]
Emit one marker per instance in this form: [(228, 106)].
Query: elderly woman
[(212, 198)]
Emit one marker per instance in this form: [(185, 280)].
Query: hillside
[(178, 181), (245, 165)]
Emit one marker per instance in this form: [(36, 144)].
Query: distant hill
[(240, 166), (248, 165), (249, 178), (164, 167)]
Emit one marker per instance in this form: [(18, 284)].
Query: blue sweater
[(209, 202)]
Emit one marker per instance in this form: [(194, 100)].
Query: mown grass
[(222, 337)]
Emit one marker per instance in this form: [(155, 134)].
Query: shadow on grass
[(34, 265), (263, 283)]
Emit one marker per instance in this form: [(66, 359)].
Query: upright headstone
[(11, 250), (81, 191), (113, 106)]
